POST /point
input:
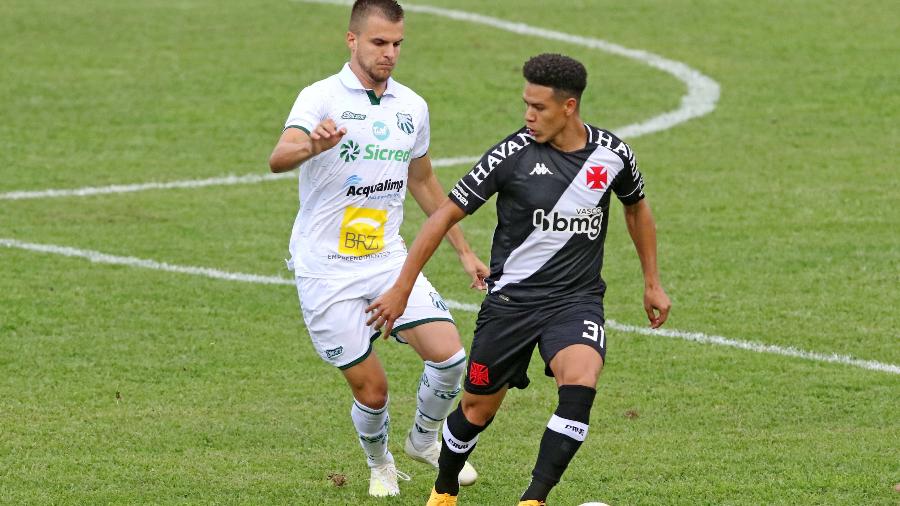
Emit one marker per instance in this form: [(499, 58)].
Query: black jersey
[(552, 211)]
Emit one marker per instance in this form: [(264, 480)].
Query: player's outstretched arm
[(390, 305), (642, 228), (296, 146), (426, 189)]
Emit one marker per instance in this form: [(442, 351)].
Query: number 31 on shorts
[(593, 332)]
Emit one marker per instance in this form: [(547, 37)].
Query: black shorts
[(506, 333)]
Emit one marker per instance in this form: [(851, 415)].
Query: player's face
[(545, 113), (376, 48)]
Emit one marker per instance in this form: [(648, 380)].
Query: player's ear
[(571, 106), (351, 40)]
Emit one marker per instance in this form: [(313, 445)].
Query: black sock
[(562, 438), (460, 436)]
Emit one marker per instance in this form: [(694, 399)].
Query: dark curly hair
[(390, 9), (565, 75)]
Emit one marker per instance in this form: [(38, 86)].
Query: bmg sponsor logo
[(587, 221)]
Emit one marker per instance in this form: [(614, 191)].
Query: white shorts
[(334, 313)]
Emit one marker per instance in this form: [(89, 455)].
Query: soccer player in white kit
[(360, 139)]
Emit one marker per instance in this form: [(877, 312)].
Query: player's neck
[(572, 137), (367, 82)]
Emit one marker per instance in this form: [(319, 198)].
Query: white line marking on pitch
[(103, 258), (700, 99), (173, 185)]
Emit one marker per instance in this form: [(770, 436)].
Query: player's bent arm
[(642, 228), (296, 146), (427, 241), (389, 306), (293, 148), (426, 189)]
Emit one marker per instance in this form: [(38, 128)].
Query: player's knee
[(371, 396), (446, 375), (476, 411)]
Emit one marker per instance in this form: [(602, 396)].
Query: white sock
[(438, 388), (372, 426)]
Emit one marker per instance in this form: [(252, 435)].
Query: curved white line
[(103, 258), (701, 98), (702, 91)]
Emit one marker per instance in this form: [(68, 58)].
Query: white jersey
[(351, 196)]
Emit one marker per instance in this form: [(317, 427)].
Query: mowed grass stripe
[(103, 258)]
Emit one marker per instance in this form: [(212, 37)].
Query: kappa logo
[(405, 123), (353, 115), (597, 178), (479, 374), (540, 169), (336, 352)]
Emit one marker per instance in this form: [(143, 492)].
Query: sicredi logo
[(349, 151), (376, 152), (380, 130)]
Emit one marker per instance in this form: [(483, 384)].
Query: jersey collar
[(350, 81)]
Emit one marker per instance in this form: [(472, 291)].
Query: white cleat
[(430, 455), (383, 480)]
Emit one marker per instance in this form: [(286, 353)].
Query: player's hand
[(385, 310), (476, 269), (657, 306), (326, 135)]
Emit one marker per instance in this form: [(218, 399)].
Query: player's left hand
[(657, 305), (476, 269), (385, 310)]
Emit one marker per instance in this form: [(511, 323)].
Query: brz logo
[(336, 352), (587, 221)]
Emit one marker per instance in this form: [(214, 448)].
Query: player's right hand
[(326, 135)]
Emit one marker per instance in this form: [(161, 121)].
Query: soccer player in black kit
[(553, 179)]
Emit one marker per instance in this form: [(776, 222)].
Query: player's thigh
[(573, 344), (504, 340), (335, 319), (427, 324)]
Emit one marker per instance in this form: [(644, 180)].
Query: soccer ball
[(594, 504)]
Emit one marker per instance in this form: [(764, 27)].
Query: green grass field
[(778, 223)]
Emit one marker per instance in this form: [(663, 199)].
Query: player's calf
[(566, 430)]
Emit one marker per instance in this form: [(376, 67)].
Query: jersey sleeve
[(308, 111), (629, 183), (486, 177), (423, 136)]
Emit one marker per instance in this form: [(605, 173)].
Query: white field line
[(700, 99), (189, 183), (103, 258), (702, 91)]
